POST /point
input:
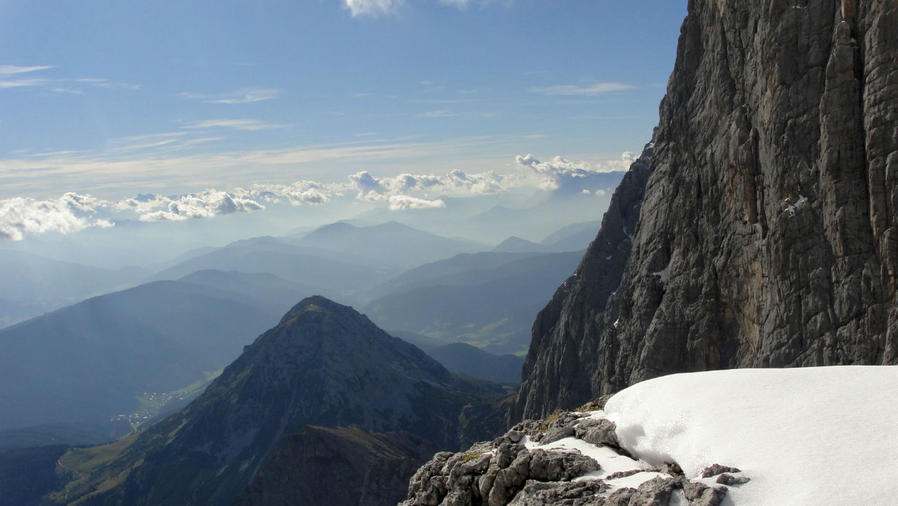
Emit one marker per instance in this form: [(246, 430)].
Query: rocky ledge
[(571, 458)]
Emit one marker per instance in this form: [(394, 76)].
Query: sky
[(113, 100)]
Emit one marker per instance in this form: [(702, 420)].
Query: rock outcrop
[(768, 234), (560, 460)]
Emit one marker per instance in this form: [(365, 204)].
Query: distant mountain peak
[(515, 244), (336, 226), (319, 305), (324, 364)]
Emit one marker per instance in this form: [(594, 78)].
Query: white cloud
[(6, 70), (205, 204), (243, 96), (69, 213), (441, 113), (298, 193), (236, 124), (570, 90), (561, 173), (371, 7), (102, 82), (10, 78), (381, 7), (456, 182), (406, 202), (72, 212), (22, 83)]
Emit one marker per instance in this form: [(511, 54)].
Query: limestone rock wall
[(768, 232)]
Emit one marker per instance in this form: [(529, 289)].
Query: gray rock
[(767, 231), (729, 479), (506, 453), (655, 492), (699, 494), (715, 469), (579, 493), (620, 497), (530, 428), (510, 480), (556, 434), (598, 432), (514, 436), (556, 466), (623, 474), (427, 487)]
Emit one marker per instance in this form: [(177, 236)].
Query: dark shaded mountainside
[(89, 362), (323, 364), (317, 462), (486, 299), (768, 233)]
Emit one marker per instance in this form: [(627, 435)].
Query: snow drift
[(823, 435)]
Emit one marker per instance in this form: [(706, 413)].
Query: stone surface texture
[(768, 231), (524, 468)]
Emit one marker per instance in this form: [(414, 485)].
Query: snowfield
[(809, 436)]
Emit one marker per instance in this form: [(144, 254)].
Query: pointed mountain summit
[(323, 364)]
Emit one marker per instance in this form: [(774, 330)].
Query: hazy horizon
[(314, 111)]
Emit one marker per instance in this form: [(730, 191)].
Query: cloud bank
[(561, 174), (69, 213), (405, 203), (454, 183), (72, 212)]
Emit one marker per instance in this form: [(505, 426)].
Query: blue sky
[(116, 110), (178, 96)]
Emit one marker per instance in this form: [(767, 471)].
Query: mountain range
[(109, 355), (33, 284), (756, 229), (485, 299), (323, 364)]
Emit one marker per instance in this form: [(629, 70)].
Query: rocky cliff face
[(768, 235)]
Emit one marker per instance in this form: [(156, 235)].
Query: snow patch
[(823, 435)]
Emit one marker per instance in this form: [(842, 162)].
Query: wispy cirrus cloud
[(102, 82), (242, 96), (371, 7), (250, 125), (590, 90), (13, 76), (141, 142), (376, 8), (439, 113), (6, 70), (22, 83)]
